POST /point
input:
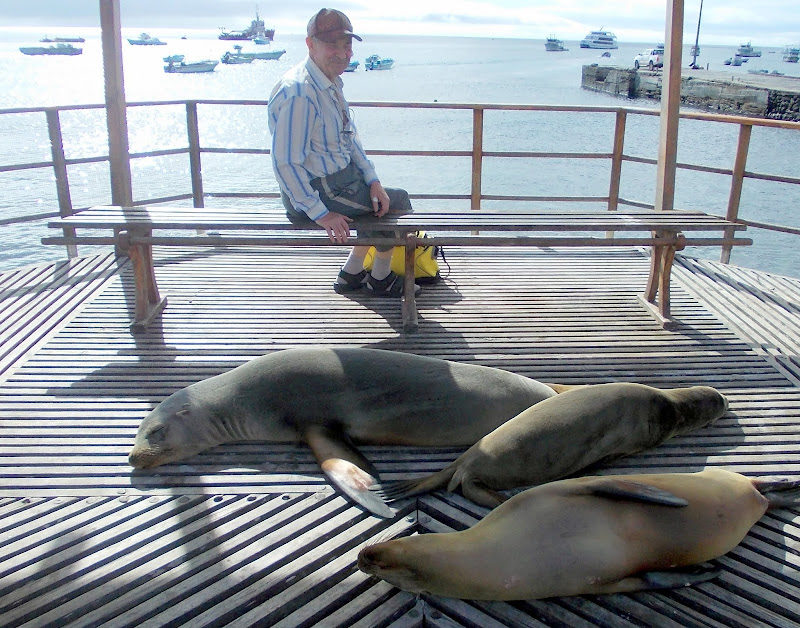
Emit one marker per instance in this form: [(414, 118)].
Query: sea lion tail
[(393, 491), (781, 492)]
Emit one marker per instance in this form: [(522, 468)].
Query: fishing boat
[(352, 66), (252, 56), (144, 39), (747, 50), (600, 39), (791, 54), (58, 49), (256, 29), (65, 40), (553, 44), (236, 56), (375, 62), (177, 65)]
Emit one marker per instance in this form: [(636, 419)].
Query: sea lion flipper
[(677, 578), (635, 491), (345, 467), (782, 492)]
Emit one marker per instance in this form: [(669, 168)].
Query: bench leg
[(410, 319), (148, 303), (656, 295)]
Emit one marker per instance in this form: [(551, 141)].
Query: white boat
[(145, 40), (553, 44), (352, 66), (791, 54), (736, 60), (245, 57), (600, 39), (746, 50), (236, 56), (177, 65), (375, 62), (58, 49), (69, 40)]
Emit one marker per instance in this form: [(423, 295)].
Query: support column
[(670, 107)]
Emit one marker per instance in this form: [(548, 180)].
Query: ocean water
[(455, 70)]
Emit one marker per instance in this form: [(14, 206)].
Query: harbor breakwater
[(763, 96)]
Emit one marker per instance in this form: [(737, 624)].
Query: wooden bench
[(135, 233)]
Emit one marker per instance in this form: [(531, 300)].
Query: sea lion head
[(172, 431), (697, 406)]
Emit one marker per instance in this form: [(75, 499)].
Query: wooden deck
[(251, 534)]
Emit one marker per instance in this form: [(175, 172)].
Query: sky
[(724, 22)]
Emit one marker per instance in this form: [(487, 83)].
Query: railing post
[(616, 160), (477, 157), (116, 107), (737, 181), (194, 153), (60, 170)]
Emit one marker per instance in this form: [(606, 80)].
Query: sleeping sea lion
[(591, 535), (332, 397), (562, 435)]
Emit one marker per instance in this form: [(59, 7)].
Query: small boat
[(145, 40), (58, 49), (606, 54), (791, 54), (746, 50), (735, 60), (236, 56), (758, 71), (600, 39), (352, 66), (375, 62), (261, 54), (553, 44), (63, 40), (177, 65), (256, 29)]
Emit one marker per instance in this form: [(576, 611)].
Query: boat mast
[(697, 39)]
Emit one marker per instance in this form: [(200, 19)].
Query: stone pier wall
[(738, 96)]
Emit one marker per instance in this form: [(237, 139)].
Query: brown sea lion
[(591, 535), (331, 398), (562, 435)]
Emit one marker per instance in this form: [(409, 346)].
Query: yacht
[(600, 39), (553, 44)]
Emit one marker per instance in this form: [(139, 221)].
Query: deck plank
[(251, 533)]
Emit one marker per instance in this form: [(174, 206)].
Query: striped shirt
[(312, 135)]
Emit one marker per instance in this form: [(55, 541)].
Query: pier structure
[(759, 95)]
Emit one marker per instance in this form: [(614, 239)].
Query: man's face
[(331, 57)]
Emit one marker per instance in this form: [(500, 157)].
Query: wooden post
[(737, 181), (116, 118), (62, 178), (616, 160), (194, 153), (477, 157), (670, 107)]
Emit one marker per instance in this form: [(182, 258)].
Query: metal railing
[(195, 150)]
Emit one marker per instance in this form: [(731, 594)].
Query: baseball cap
[(329, 24)]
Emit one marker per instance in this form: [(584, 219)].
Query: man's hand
[(337, 226), (380, 199)]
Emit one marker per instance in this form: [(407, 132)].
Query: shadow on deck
[(251, 534)]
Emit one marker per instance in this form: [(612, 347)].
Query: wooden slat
[(251, 533)]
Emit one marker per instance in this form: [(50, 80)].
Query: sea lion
[(591, 535), (332, 397), (562, 435)]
